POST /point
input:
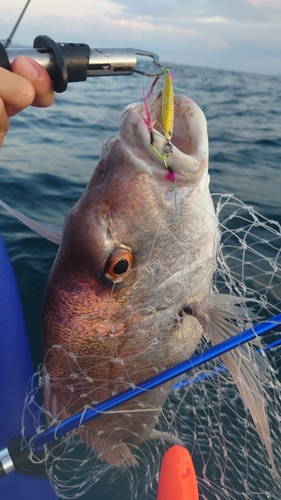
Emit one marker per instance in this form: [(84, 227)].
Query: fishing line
[(9, 39)]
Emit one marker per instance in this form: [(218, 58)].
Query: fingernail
[(26, 67)]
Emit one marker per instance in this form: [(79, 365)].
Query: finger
[(4, 122), (16, 92), (38, 76)]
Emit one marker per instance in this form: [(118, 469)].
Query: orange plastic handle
[(177, 476)]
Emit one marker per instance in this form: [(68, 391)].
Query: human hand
[(27, 84)]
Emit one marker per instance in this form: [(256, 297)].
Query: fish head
[(109, 256)]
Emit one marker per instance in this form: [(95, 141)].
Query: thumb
[(38, 77)]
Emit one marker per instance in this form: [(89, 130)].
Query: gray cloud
[(235, 35), (238, 10)]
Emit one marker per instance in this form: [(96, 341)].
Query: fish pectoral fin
[(247, 367), (166, 436), (51, 232), (106, 448), (103, 444)]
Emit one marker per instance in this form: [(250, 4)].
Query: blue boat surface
[(15, 373)]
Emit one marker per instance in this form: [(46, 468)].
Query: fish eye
[(119, 264)]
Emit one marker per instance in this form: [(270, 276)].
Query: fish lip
[(186, 162), (134, 138)]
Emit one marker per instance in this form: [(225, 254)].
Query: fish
[(131, 290), (127, 266)]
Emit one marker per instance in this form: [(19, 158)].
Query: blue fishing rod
[(15, 458), (222, 368)]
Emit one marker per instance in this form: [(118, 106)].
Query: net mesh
[(204, 410)]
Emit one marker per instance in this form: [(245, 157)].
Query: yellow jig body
[(167, 125), (168, 106)]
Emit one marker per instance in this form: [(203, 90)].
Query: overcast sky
[(243, 35)]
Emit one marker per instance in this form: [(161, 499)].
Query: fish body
[(128, 268), (131, 292)]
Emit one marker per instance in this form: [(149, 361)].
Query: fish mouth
[(185, 162)]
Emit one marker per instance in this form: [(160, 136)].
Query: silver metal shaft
[(6, 461), (102, 62)]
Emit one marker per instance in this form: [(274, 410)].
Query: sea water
[(49, 155)]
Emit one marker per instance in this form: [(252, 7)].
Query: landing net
[(207, 415)]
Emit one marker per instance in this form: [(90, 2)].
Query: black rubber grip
[(71, 60), (76, 57), (4, 61), (21, 460)]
